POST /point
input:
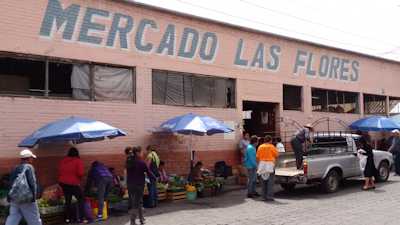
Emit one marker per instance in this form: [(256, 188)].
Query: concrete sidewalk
[(304, 206)]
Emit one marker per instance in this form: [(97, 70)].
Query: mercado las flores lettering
[(192, 44)]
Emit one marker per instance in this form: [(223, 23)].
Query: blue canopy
[(73, 128), (195, 124), (375, 123)]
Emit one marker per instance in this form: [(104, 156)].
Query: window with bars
[(186, 89), (374, 104), (334, 101)]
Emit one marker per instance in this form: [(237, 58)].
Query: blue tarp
[(73, 128)]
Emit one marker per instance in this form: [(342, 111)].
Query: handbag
[(88, 210), (362, 158)]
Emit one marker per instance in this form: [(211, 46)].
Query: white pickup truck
[(331, 158)]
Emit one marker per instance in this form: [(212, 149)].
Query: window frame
[(46, 91), (301, 97), (343, 94), (390, 105), (374, 113), (191, 76)]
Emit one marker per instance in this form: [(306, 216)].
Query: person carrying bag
[(23, 192)]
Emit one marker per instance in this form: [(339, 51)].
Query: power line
[(315, 23), (274, 26), (391, 51)]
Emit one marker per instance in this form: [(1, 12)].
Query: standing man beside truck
[(250, 162), (301, 136), (266, 156)]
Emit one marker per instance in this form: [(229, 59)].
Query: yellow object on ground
[(105, 211)]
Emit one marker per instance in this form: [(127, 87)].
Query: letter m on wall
[(57, 16)]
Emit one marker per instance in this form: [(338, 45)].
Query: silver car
[(331, 158)]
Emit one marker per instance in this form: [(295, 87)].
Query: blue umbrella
[(192, 124), (375, 123), (74, 129), (189, 124), (396, 118)]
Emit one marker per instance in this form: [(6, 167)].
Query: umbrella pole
[(190, 151)]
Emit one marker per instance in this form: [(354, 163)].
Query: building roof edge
[(247, 29)]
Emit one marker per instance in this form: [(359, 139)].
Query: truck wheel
[(383, 172), (331, 182), (288, 187)]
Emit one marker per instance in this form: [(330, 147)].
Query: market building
[(135, 66)]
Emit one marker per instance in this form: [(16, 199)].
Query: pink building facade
[(270, 84)]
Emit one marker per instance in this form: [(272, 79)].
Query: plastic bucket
[(191, 196)]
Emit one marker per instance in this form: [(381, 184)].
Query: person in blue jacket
[(251, 165), (28, 210)]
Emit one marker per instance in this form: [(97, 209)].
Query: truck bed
[(288, 172)]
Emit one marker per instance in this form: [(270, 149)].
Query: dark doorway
[(263, 118)]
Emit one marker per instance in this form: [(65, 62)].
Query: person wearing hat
[(297, 142), (395, 149), (29, 208)]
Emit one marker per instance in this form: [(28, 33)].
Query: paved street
[(307, 205)]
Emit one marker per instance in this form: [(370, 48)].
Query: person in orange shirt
[(266, 156)]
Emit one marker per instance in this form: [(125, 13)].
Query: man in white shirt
[(279, 145)]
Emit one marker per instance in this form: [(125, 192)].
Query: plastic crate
[(162, 195), (53, 218), (176, 196)]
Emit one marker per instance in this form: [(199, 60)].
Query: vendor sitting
[(116, 184), (163, 173), (196, 174)]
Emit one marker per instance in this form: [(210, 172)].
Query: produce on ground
[(190, 188), (176, 184), (162, 187)]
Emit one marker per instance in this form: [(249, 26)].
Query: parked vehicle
[(331, 158)]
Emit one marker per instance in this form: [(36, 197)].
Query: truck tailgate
[(288, 172)]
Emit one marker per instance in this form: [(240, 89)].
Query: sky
[(366, 26)]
